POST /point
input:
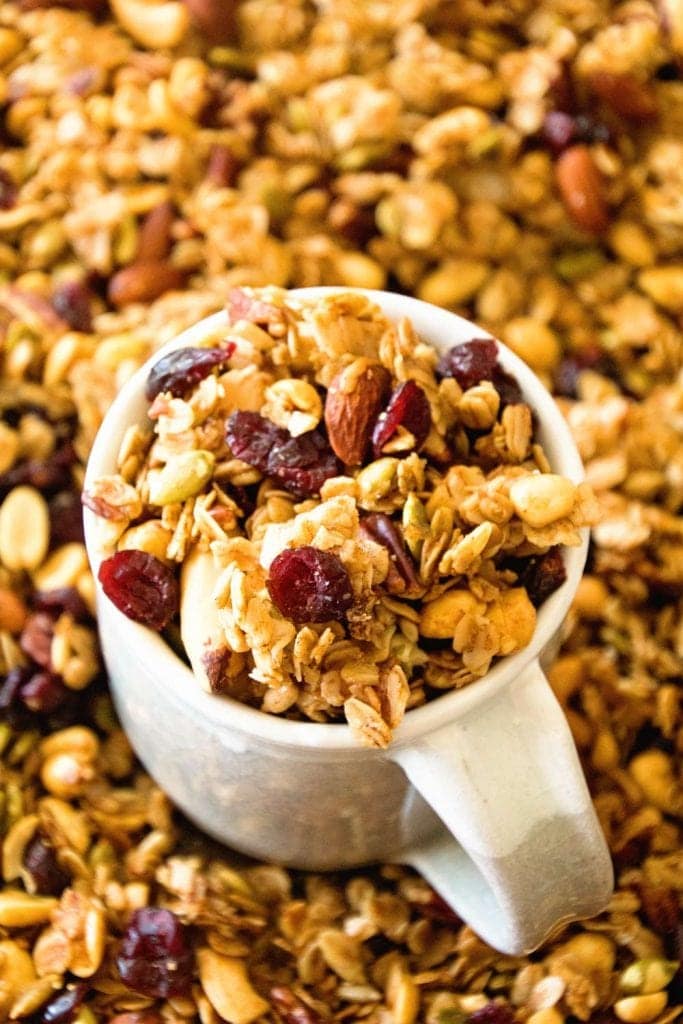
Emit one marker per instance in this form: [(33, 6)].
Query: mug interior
[(442, 329)]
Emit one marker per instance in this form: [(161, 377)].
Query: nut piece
[(24, 529), (228, 989), (515, 618), (182, 477), (439, 618), (215, 18), (153, 24), (354, 401), (582, 189), (542, 498), (19, 910), (144, 282), (640, 1009)]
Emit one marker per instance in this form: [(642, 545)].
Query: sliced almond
[(354, 400), (200, 627)]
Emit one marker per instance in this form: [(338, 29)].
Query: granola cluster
[(373, 547), (518, 162)]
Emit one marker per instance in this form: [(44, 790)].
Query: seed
[(640, 1009), (542, 498), (24, 529), (182, 477)]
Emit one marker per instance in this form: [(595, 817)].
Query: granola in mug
[(374, 524)]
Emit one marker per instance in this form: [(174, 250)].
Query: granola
[(314, 551), (446, 190)]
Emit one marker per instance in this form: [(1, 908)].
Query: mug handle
[(523, 852)]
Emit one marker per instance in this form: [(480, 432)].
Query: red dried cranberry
[(66, 519), (251, 438), (62, 1008), (380, 528), (492, 1013), (310, 585), (141, 587), (408, 408), (41, 863), (8, 191), (46, 476), (72, 301), (471, 362), (43, 692), (180, 371), (507, 387), (36, 638), (61, 599), (155, 958), (542, 576), (301, 464), (559, 130)]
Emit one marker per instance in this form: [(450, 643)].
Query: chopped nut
[(228, 988), (542, 498)]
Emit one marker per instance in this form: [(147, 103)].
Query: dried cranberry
[(408, 408), (542, 576), (492, 1013), (8, 191), (380, 528), (61, 599), (155, 958), (310, 585), (180, 371), (301, 464), (36, 638), (41, 863), (251, 438), (141, 587), (66, 519), (72, 301), (62, 1008), (45, 475), (559, 130), (507, 387), (43, 692), (471, 362)]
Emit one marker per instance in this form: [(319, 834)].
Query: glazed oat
[(376, 523), (409, 143)]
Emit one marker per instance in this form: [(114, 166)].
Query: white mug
[(481, 789)]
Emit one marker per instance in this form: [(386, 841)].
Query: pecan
[(402, 578), (291, 1009), (143, 282), (353, 403), (582, 189)]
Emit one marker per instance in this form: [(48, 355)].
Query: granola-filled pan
[(520, 163)]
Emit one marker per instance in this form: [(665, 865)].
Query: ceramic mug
[(481, 789)]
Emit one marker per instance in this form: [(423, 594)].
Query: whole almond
[(582, 189), (215, 18), (143, 282), (625, 95), (354, 400), (154, 239)]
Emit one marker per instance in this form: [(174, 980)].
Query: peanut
[(24, 529), (640, 1009)]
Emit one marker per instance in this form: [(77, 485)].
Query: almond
[(354, 400), (143, 282), (582, 189), (625, 95), (154, 239), (215, 18)]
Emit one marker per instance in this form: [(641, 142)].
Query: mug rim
[(227, 714)]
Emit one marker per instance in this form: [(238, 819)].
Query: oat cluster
[(436, 511), (520, 162)]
